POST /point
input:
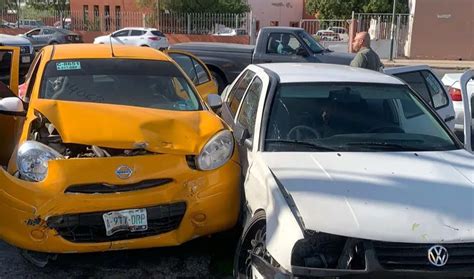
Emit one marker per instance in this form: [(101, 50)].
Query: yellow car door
[(197, 72), (10, 121)]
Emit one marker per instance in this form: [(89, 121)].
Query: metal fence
[(168, 22)]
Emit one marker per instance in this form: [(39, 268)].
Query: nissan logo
[(438, 255), (123, 172)]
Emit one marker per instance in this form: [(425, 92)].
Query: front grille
[(415, 256), (90, 228), (104, 188), (24, 49)]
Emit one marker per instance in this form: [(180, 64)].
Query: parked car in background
[(30, 23), (345, 171), (136, 36), (424, 81), (26, 56), (44, 36), (157, 164), (67, 23), (452, 82), (326, 35), (6, 24), (226, 61), (231, 32), (341, 31)]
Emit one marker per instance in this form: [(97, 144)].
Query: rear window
[(129, 82), (158, 33)]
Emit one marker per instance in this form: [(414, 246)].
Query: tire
[(220, 81), (252, 239)]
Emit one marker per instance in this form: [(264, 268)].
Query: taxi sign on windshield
[(67, 66)]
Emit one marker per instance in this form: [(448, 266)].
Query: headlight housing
[(32, 160), (216, 152)]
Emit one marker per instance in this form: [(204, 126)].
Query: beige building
[(277, 12), (441, 29)]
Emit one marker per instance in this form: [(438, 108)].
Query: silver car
[(43, 36)]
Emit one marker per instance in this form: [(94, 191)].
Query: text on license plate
[(133, 220)]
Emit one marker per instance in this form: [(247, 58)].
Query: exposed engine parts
[(44, 132)]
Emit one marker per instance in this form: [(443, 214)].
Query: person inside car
[(283, 47)]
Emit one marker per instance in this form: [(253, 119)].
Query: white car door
[(136, 37), (424, 82), (120, 37)]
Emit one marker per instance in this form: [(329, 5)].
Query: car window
[(186, 63), (282, 44), (123, 33), (48, 31), (158, 33), (34, 32), (248, 111), (438, 95), (237, 92), (201, 72), (417, 82), (128, 82), (351, 117), (137, 32)]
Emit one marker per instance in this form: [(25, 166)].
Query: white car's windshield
[(352, 117), (141, 83)]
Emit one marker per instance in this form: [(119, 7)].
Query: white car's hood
[(425, 197)]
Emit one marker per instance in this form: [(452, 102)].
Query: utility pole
[(392, 31)]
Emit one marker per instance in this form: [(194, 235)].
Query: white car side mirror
[(11, 105), (214, 101)]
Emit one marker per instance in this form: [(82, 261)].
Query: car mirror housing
[(12, 105), (214, 101)]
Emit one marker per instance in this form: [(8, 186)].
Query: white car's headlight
[(32, 160), (216, 152)]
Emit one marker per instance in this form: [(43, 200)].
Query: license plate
[(133, 220), (25, 59)]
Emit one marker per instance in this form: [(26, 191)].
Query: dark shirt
[(368, 59)]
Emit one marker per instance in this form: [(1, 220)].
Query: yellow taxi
[(111, 149)]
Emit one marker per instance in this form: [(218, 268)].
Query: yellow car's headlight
[(216, 152), (32, 160)]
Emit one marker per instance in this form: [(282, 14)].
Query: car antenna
[(111, 47)]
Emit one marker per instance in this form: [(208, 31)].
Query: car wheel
[(251, 242), (220, 81)]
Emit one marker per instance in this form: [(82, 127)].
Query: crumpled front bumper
[(211, 200)]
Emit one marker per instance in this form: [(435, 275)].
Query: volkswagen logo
[(123, 172), (438, 255)]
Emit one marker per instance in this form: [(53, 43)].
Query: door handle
[(449, 118)]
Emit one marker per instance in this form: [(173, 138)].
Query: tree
[(342, 9), (52, 5), (196, 6)]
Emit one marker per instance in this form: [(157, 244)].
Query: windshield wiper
[(386, 145), (302, 143)]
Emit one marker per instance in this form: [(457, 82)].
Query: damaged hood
[(126, 127), (426, 197)]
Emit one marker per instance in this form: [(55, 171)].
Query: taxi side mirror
[(12, 106)]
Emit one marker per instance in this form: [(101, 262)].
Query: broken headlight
[(216, 152), (32, 160), (322, 250)]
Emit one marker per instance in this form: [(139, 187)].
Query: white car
[(343, 34), (327, 35), (452, 81), (347, 172), (146, 37)]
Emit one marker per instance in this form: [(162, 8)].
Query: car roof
[(91, 51), (319, 72), (140, 28)]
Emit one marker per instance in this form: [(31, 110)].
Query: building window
[(273, 23), (107, 17), (85, 13), (118, 20), (96, 26), (257, 25), (294, 24)]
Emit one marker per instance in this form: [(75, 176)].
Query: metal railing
[(168, 22)]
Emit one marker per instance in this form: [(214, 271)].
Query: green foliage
[(56, 5), (197, 6), (342, 9)]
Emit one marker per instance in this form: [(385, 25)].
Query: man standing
[(366, 58)]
